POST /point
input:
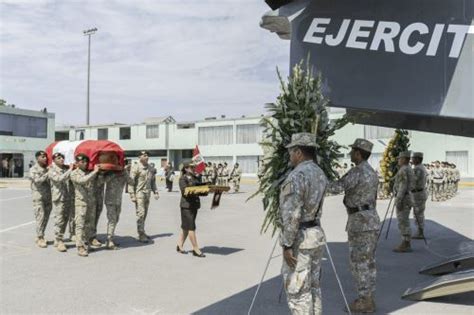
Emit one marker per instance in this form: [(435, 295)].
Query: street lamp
[(89, 32)]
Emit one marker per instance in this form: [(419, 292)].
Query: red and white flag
[(198, 160)]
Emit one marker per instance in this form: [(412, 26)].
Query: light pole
[(89, 32)]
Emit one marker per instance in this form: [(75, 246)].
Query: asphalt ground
[(155, 279)]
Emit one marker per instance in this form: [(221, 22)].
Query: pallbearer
[(62, 196), (83, 181), (41, 193)]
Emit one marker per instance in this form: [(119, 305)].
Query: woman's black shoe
[(198, 255), (180, 250)]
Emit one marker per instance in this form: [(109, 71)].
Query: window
[(152, 131), (23, 126), (374, 132), (249, 133), (102, 134), (125, 133), (61, 135), (215, 135), (185, 126), (248, 164), (79, 134), (460, 159)]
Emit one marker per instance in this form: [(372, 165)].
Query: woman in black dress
[(189, 207)]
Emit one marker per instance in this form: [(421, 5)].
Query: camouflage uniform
[(84, 205), (41, 193), (301, 197), (235, 177), (403, 199), (98, 196), (420, 195), (113, 199), (437, 178), (61, 190), (360, 187), (142, 183)]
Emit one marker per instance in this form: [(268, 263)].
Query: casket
[(106, 153)]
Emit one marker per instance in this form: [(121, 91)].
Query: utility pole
[(88, 33)]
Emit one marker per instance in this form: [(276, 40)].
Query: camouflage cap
[(40, 153), (404, 154), (82, 157), (417, 155), (362, 144), (143, 153), (302, 139), (55, 155)]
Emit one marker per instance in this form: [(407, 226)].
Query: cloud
[(189, 59)]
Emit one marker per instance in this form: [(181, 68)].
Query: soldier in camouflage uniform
[(403, 186), (113, 202), (235, 177), (61, 191), (360, 187), (98, 196), (142, 184), (420, 195), (41, 193), (437, 178), (83, 181), (302, 237), (457, 178)]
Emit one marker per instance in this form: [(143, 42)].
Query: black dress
[(189, 204)]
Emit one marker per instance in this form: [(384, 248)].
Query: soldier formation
[(77, 196), (219, 174), (443, 180)]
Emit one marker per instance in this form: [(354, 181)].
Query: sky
[(188, 59)]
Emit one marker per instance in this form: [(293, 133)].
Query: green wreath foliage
[(300, 107)]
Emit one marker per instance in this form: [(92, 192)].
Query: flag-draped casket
[(107, 153)]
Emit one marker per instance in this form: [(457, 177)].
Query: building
[(22, 133), (232, 140), (219, 139)]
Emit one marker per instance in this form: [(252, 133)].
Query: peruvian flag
[(104, 152), (198, 161)]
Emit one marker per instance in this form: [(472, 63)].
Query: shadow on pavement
[(220, 250), (396, 273), (129, 241)]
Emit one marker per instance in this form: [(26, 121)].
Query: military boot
[(363, 305), (419, 235), (143, 238), (111, 245), (95, 243), (61, 246), (41, 242), (82, 251), (404, 247)]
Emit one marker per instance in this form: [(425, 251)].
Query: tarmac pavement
[(155, 279)]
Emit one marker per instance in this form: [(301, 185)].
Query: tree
[(300, 107)]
